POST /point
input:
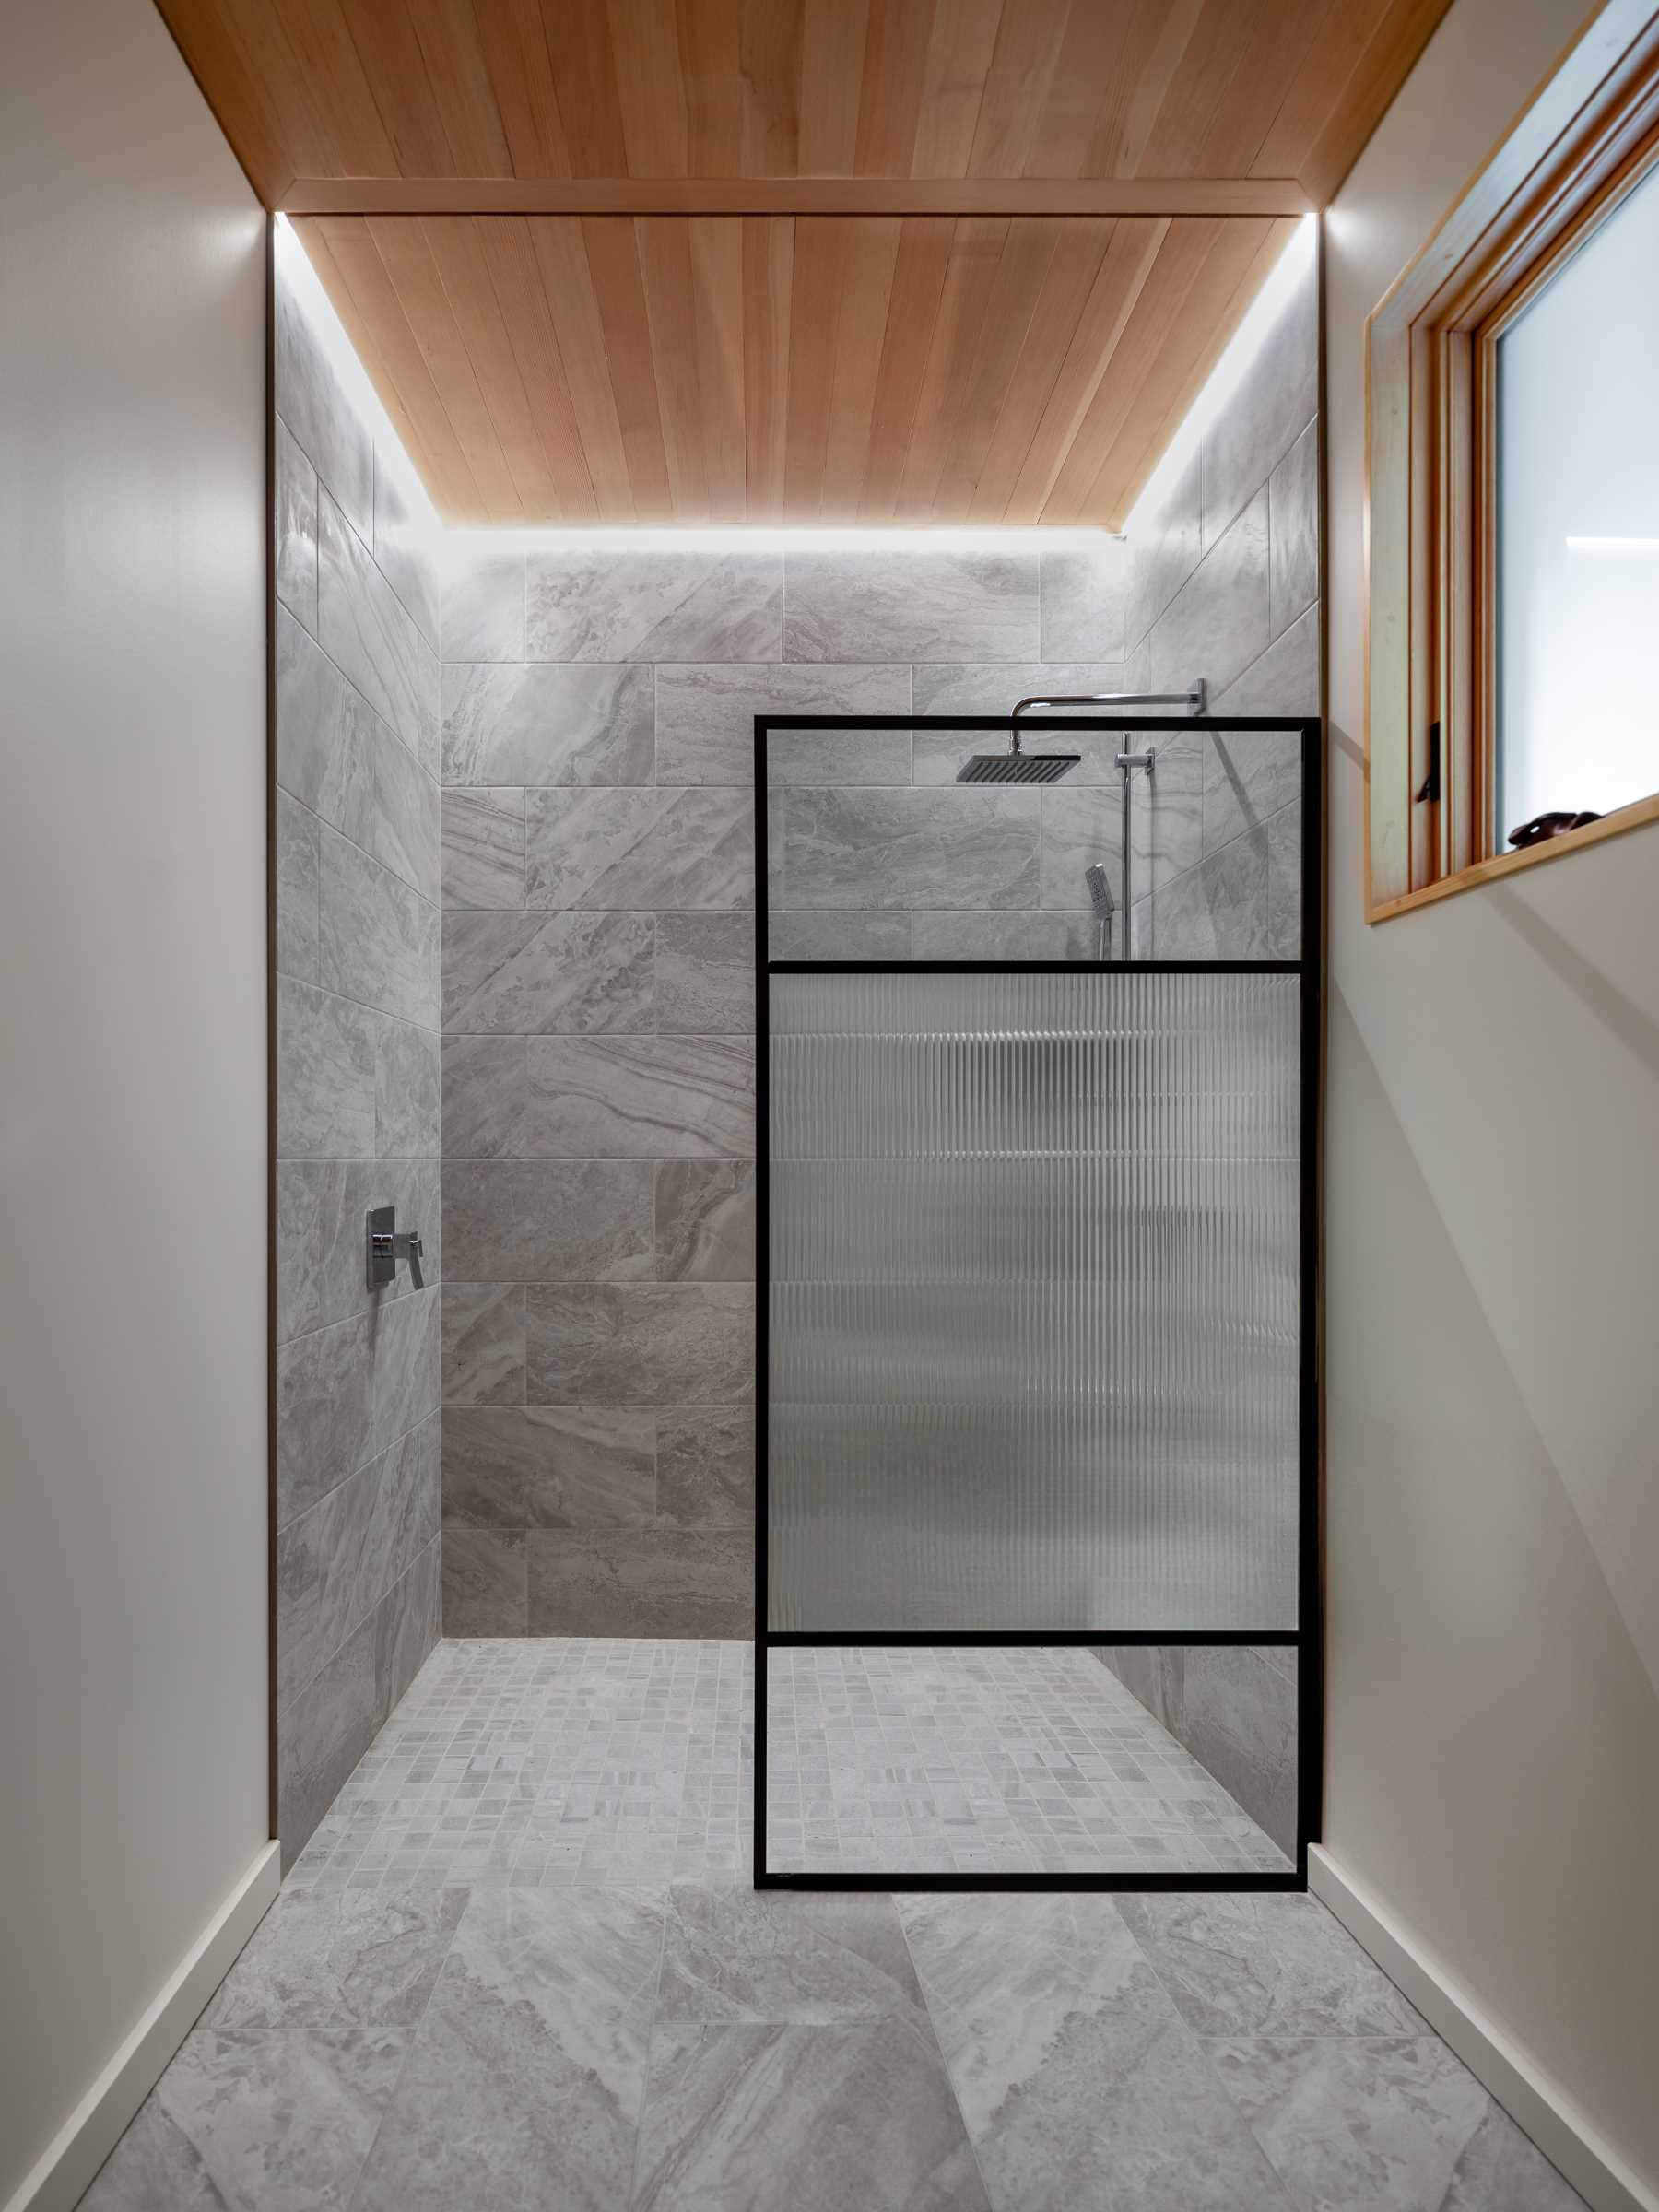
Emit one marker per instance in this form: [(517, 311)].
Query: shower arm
[(1193, 699)]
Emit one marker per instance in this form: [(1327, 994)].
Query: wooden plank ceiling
[(826, 260)]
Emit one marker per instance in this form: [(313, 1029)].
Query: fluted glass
[(1033, 1322)]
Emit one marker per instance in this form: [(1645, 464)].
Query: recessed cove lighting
[(752, 537)]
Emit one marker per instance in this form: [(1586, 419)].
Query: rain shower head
[(1014, 767)]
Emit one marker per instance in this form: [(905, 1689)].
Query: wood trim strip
[(795, 195), (1640, 812)]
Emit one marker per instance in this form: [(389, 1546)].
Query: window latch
[(1431, 785)]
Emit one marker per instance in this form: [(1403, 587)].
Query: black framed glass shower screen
[(1036, 1249), (1032, 1261)]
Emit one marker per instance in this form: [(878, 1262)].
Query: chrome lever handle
[(385, 1244)]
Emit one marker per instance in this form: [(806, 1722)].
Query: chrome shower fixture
[(1100, 898), (1014, 767)]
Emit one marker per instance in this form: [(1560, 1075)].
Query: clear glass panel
[(1578, 530), (1033, 1348)]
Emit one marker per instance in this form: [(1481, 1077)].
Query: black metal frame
[(1307, 1638)]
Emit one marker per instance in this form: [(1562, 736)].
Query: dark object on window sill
[(1543, 825)]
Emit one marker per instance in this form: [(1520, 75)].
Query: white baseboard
[(61, 2176), (1526, 2092)]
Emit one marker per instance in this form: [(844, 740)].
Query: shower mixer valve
[(387, 1244)]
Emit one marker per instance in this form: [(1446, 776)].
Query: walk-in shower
[(1036, 1359)]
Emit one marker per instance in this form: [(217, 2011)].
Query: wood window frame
[(1587, 139)]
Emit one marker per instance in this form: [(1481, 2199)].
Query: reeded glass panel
[(1033, 1247)]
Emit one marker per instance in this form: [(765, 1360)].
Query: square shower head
[(1017, 767)]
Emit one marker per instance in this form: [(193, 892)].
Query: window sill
[(1511, 864)]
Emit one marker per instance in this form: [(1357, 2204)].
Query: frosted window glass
[(1578, 530), (1034, 1318)]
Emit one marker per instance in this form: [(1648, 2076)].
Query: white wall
[(1493, 1239), (132, 1132)]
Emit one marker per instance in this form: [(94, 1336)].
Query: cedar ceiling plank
[(613, 257), (924, 245), (832, 46), (516, 46), (768, 289), (402, 245), (1028, 42), (1020, 278), (1091, 60), (1199, 88), (1154, 53), (976, 251), (959, 60), (1223, 289), (891, 84), (1132, 255), (1066, 288), (334, 74), (384, 36), (510, 256), (821, 247), (861, 328), (349, 261), (458, 254), (1236, 131), (650, 87), (771, 56), (1384, 66), (458, 71), (717, 290), (584, 77), (710, 44), (664, 250), (1157, 311), (1312, 91), (567, 289), (207, 36)]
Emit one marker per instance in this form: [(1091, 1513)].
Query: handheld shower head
[(1100, 892)]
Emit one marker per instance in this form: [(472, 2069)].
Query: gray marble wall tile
[(644, 1098), (641, 1582), (402, 1350), (1236, 1715), (1219, 910), (1086, 602), (912, 606), (1283, 680), (664, 848), (541, 723), (705, 1221), (336, 756), (407, 1623), (706, 1466), (296, 523), (378, 939), (1059, 936), (313, 403), (326, 1049), (297, 865), (483, 618), (1293, 532), (1166, 814), (336, 1562), (1165, 543), (706, 722), (485, 1583), (483, 848), (486, 1084), (1285, 882), (542, 975), (325, 1413), (408, 1063), (909, 849), (1265, 417), (656, 606), (585, 1220), (842, 936), (640, 1344), (408, 541), (1248, 776), (483, 1344), (1217, 622), (705, 974), (549, 1467), (1079, 827), (365, 631), (321, 1204), (321, 1733)]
